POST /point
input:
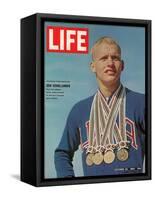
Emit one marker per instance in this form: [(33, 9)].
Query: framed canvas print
[(85, 99)]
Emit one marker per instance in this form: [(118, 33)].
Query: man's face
[(107, 63)]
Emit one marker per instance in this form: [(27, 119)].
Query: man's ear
[(92, 66), (122, 65)]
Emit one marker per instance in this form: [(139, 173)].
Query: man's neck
[(108, 90)]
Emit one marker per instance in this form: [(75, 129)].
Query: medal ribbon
[(120, 135), (102, 118), (111, 116)]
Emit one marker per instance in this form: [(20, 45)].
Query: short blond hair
[(106, 40)]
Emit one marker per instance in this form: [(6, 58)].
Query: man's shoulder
[(134, 93), (84, 102), (81, 107), (136, 98)]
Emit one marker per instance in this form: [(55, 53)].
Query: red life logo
[(66, 39)]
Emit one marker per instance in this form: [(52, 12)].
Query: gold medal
[(97, 158), (89, 159), (122, 154), (109, 157)]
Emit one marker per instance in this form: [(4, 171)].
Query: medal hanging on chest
[(110, 114), (102, 126), (122, 153), (90, 150), (98, 156)]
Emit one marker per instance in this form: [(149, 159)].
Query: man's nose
[(110, 60)]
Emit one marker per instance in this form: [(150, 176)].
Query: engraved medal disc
[(109, 157), (89, 159), (98, 158), (122, 154)]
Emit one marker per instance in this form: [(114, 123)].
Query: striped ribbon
[(103, 120)]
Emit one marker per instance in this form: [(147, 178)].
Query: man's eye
[(115, 58), (104, 58)]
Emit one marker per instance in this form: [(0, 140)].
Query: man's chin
[(110, 82)]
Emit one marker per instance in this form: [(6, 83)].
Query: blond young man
[(109, 126)]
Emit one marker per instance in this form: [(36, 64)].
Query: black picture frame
[(32, 98)]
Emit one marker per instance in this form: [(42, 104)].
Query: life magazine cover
[(94, 100)]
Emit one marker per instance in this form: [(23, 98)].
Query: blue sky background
[(75, 68)]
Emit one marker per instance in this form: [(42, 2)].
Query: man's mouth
[(109, 71)]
